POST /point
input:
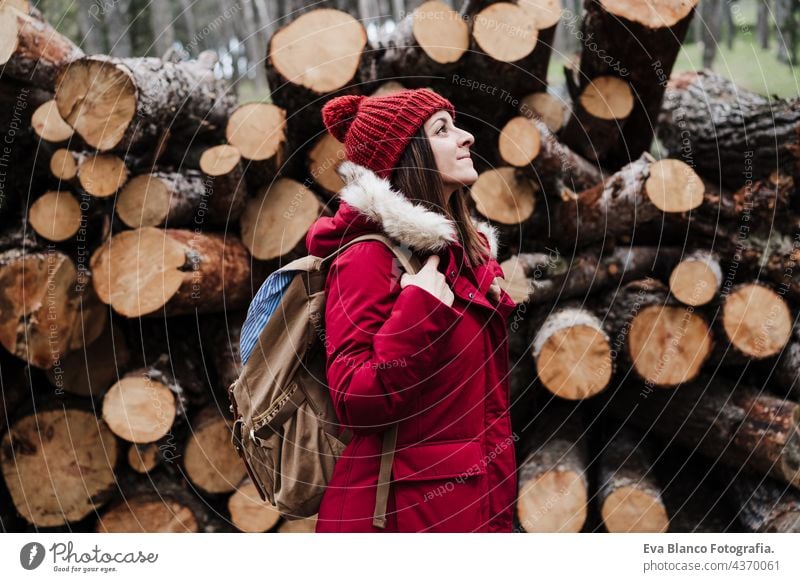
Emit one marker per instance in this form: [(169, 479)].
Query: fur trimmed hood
[(407, 222)]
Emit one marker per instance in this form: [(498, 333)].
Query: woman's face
[(451, 149)]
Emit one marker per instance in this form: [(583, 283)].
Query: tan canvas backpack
[(285, 427)]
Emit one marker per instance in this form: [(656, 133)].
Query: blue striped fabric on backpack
[(262, 307)]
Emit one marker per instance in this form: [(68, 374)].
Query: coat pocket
[(440, 487)]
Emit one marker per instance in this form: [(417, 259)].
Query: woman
[(428, 351)]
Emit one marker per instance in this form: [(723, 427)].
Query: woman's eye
[(440, 130)]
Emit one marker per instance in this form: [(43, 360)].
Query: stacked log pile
[(656, 287)]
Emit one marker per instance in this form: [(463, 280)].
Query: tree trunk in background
[(161, 23), (118, 25), (730, 23), (762, 24), (711, 16), (254, 45), (91, 28), (785, 20), (187, 13)]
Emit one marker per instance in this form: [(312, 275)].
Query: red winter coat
[(401, 354)]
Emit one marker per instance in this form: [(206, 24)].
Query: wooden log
[(55, 215), (697, 279), (506, 196), (161, 502), (275, 222), (642, 191), (248, 512), (637, 43), (599, 114), (178, 271), (324, 158), (426, 44), (753, 322), (572, 352), (728, 133), (130, 101), (765, 505), (216, 195), (50, 126), (298, 80), (785, 378), (258, 131), (100, 175), (210, 462), (738, 425), (542, 105), (529, 144), (30, 49), (50, 307), (553, 485), (546, 278), (176, 343), (629, 494), (41, 454), (143, 458), (664, 342), (144, 404)]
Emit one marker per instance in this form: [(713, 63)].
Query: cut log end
[(668, 345), (629, 509), (550, 109), (503, 196), (210, 461), (249, 513), (63, 165), (546, 13), (505, 32), (143, 458), (102, 175), (257, 130), (98, 99), (519, 142), (696, 280), (295, 49), (139, 410), (653, 14), (55, 215), (266, 231), (673, 186), (757, 321), (553, 502), (575, 363), (148, 515), (49, 125), (440, 32), (144, 201), (219, 160), (58, 465), (607, 98)]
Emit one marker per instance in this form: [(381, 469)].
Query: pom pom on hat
[(338, 114)]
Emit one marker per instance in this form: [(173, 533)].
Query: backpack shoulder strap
[(408, 260)]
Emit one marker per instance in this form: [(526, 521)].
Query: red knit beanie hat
[(376, 130)]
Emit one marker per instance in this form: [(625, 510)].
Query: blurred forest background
[(752, 42)]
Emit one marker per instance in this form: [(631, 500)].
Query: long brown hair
[(416, 176)]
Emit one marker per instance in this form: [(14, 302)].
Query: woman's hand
[(494, 289), (430, 279)]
